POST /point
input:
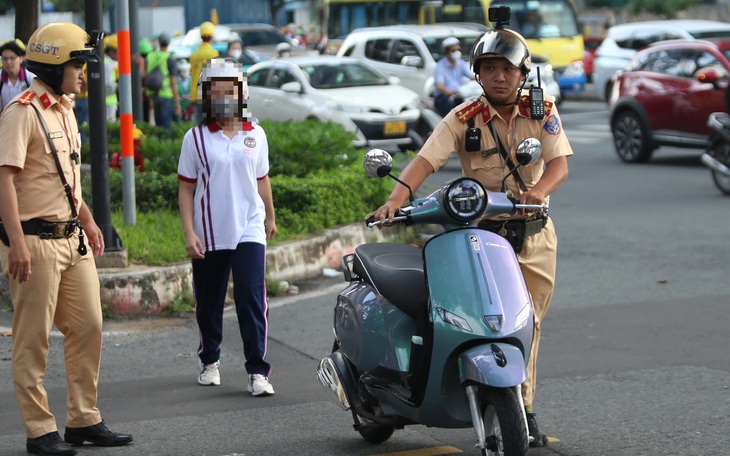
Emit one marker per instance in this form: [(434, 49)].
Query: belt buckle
[(69, 229), (59, 230)]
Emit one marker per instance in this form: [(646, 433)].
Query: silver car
[(333, 89)]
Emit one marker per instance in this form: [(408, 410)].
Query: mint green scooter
[(438, 336)]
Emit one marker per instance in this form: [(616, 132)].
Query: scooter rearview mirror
[(377, 163), (529, 151)]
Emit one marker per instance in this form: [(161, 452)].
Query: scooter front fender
[(495, 364)]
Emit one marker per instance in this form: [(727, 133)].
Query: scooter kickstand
[(476, 416)]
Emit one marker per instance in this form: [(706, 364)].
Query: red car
[(590, 44), (666, 94)]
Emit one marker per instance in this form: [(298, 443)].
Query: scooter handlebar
[(399, 216)]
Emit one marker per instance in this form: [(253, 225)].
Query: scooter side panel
[(498, 364), (372, 331)]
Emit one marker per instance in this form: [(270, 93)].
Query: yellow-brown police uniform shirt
[(24, 145), (487, 166)]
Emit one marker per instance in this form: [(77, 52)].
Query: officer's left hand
[(95, 239), (532, 196)]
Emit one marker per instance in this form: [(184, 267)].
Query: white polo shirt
[(227, 207)]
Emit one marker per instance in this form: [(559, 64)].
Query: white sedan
[(333, 89)]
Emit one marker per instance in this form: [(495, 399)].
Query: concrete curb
[(141, 290)]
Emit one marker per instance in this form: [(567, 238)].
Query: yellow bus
[(550, 26)]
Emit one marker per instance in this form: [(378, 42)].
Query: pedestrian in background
[(53, 280), (111, 77), (14, 78), (227, 214), (199, 57), (184, 88), (165, 98)]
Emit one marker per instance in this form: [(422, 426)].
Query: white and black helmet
[(501, 43)]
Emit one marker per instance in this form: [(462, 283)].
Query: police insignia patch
[(552, 125), (45, 101)]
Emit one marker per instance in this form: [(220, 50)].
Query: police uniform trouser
[(63, 288), (538, 260)]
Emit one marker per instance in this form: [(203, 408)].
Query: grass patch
[(156, 239)]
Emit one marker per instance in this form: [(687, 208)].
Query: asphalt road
[(634, 358)]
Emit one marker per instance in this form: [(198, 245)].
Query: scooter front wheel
[(504, 423), (371, 431)]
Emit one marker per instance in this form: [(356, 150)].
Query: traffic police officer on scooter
[(484, 133), (52, 277)]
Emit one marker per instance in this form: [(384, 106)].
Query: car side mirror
[(292, 87), (412, 61), (708, 75)]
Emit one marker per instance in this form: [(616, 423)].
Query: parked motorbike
[(717, 156), (439, 335)]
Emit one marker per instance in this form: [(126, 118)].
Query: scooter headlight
[(453, 319), (465, 199), (521, 318)]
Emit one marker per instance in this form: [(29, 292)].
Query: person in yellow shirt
[(198, 58)]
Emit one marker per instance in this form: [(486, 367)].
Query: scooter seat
[(396, 272)]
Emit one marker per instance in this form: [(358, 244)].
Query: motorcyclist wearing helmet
[(500, 60), (43, 253), (451, 72), (227, 214)]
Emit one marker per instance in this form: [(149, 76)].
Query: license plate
[(394, 128)]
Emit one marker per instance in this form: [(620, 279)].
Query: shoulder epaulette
[(469, 111), (27, 97)]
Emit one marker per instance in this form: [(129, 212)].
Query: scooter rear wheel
[(504, 423)]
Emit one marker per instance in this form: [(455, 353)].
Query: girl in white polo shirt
[(227, 214)]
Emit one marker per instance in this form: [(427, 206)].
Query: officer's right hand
[(19, 260), (194, 247), (385, 213)]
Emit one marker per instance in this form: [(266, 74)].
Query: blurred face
[(11, 63), (500, 79), (224, 99), (73, 77), (454, 52)]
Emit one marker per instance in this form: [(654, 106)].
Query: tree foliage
[(664, 8)]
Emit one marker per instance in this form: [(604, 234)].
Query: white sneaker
[(209, 374), (258, 385)]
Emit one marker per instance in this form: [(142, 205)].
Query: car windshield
[(260, 37), (324, 76), (434, 46)]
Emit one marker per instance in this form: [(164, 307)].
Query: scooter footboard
[(495, 364)]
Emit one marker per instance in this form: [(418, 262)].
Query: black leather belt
[(49, 230)]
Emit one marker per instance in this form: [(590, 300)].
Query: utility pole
[(100, 199)]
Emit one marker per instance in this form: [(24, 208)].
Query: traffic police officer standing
[(52, 278), (501, 61)]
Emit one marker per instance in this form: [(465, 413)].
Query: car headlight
[(465, 199)]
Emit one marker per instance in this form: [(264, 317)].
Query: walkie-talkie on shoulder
[(537, 105)]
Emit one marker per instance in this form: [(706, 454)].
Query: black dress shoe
[(49, 445), (97, 434)]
